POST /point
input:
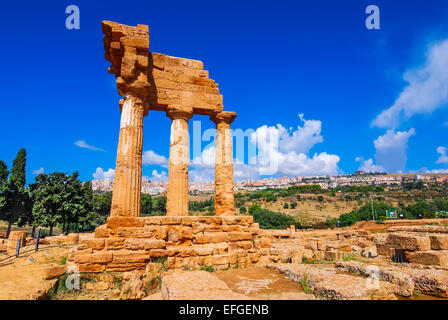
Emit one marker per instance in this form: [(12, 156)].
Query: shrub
[(208, 269), (269, 219)]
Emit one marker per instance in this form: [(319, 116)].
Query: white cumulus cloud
[(391, 150), (156, 176), (84, 145), (151, 158), (443, 155), (100, 174), (368, 165), (427, 89), (280, 151)]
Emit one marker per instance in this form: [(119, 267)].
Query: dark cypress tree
[(16, 194)]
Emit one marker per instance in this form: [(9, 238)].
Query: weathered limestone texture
[(128, 170), (177, 193), (224, 200), (14, 236), (180, 87), (133, 242)]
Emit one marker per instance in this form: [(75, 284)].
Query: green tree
[(254, 208), (102, 203), (61, 199), (48, 203), (159, 205), (243, 210), (15, 193), (146, 205), (88, 216), (4, 173)]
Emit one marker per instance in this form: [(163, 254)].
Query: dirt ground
[(22, 278), (261, 283)]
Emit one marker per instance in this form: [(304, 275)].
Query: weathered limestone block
[(203, 250), (208, 220), (133, 287), (439, 241), (327, 284), (246, 245), (93, 258), (211, 237), (92, 243), (159, 232), (423, 229), (13, 238), (411, 242), (433, 257), (123, 266), (220, 248), (91, 267), (130, 256), (116, 222), (115, 243), (167, 220), (239, 236), (153, 221), (101, 232), (395, 275), (386, 249), (187, 221), (54, 272), (157, 253), (144, 244), (334, 256)]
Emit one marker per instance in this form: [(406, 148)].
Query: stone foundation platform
[(182, 242)]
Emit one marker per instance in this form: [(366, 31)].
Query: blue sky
[(272, 60)]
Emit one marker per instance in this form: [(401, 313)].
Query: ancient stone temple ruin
[(150, 82)]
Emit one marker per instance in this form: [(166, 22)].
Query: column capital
[(179, 112), (135, 99), (223, 117)]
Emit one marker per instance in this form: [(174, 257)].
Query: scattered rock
[(54, 272), (133, 286)]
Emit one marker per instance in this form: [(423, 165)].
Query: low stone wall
[(129, 243), (427, 245)]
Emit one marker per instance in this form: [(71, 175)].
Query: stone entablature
[(128, 243)]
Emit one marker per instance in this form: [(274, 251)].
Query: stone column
[(177, 193), (128, 170), (224, 200)]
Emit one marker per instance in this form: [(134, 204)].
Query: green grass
[(63, 260), (306, 285), (162, 261), (208, 269), (349, 257), (150, 284), (187, 268)]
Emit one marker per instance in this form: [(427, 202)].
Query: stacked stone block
[(129, 243), (427, 245)]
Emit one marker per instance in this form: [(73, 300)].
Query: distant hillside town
[(326, 182)]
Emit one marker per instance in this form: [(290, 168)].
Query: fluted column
[(224, 200), (177, 193), (128, 170)]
